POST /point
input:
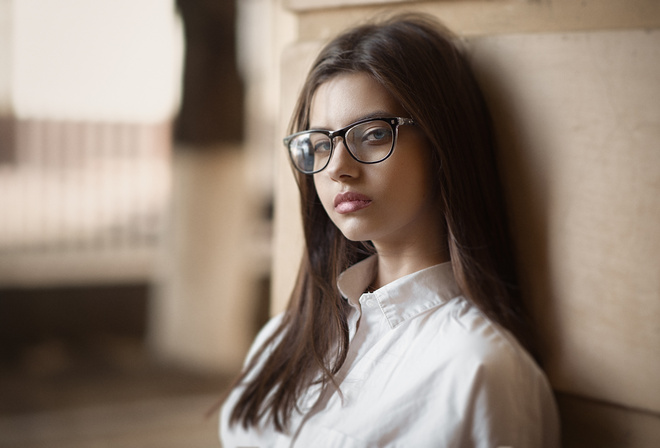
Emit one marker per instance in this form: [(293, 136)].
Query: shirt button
[(371, 303)]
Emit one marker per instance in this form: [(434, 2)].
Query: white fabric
[(425, 368)]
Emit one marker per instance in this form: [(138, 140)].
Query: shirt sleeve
[(511, 404), (236, 435)]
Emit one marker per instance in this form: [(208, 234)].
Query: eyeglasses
[(368, 141)]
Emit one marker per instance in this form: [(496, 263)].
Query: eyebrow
[(374, 114)]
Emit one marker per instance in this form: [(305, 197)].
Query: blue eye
[(377, 136), (322, 146)]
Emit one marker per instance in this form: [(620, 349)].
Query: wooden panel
[(163, 423), (306, 5), (321, 18), (287, 229), (580, 124), (588, 423)]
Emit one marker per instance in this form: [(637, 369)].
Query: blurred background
[(149, 221), (135, 215)]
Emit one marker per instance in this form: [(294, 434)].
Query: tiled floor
[(104, 394)]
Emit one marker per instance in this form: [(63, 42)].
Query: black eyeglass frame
[(394, 122)]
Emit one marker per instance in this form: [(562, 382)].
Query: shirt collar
[(405, 297)]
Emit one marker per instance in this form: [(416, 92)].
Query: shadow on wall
[(573, 151)]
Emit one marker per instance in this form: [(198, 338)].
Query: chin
[(355, 239), (355, 234), (355, 229)]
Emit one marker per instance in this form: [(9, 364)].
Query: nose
[(342, 164)]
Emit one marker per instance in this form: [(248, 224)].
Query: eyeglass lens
[(368, 142)]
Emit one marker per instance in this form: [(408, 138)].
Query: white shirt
[(425, 368)]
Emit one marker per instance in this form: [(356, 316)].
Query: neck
[(421, 245), (392, 266)]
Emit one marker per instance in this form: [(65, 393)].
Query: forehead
[(349, 97)]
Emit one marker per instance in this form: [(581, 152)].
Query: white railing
[(82, 201)]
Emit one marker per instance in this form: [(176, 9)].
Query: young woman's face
[(389, 203)]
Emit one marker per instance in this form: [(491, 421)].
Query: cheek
[(412, 170), (408, 192)]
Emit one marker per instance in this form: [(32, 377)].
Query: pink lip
[(349, 202)]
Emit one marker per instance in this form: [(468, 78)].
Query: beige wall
[(202, 313), (574, 91)]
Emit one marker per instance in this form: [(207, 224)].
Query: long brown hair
[(419, 62)]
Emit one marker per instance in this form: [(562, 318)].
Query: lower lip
[(351, 206)]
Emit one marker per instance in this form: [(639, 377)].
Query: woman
[(406, 326)]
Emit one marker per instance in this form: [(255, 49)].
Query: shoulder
[(474, 352), (476, 338), (471, 379), (502, 385)]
